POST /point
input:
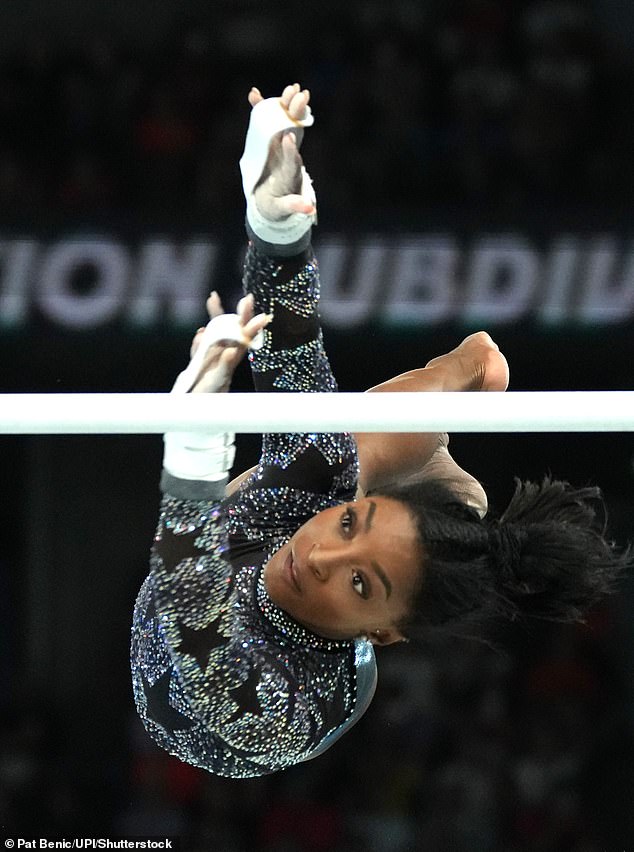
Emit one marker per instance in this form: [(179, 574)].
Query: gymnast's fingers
[(214, 305), (288, 93), (255, 325), (251, 325), (214, 309), (255, 96), (298, 104), (196, 341), (295, 204), (245, 309)]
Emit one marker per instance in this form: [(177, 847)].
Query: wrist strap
[(194, 455)]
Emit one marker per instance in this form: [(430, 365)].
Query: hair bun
[(506, 542)]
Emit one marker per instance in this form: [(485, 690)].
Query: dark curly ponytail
[(545, 557)]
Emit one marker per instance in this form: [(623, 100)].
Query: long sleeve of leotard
[(322, 465), (220, 678)]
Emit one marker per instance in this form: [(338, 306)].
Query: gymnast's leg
[(475, 365)]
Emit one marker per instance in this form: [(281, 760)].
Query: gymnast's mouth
[(291, 571)]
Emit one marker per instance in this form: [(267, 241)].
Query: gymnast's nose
[(322, 562)]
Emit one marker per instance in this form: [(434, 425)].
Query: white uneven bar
[(536, 411)]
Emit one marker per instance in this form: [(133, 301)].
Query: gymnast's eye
[(347, 521), (359, 584)]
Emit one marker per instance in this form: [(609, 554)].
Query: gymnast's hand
[(222, 358), (278, 191)]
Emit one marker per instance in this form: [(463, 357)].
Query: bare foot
[(475, 365)]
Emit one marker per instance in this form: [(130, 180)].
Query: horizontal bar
[(132, 413)]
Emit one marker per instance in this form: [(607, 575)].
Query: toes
[(487, 340), (482, 338), (491, 365)]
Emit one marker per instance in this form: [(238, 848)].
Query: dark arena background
[(472, 160)]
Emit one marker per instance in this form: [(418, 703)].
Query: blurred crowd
[(466, 749), (495, 102)]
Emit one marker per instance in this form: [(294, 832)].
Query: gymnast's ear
[(386, 636)]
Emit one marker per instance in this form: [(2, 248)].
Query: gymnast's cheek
[(331, 611)]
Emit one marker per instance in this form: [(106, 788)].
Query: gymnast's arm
[(282, 275), (185, 619)]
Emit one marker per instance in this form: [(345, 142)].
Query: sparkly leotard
[(223, 678)]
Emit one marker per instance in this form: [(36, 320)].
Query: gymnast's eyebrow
[(380, 573)]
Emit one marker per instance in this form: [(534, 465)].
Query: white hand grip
[(222, 327)]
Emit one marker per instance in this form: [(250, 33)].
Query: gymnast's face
[(351, 570)]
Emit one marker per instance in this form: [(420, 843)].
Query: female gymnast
[(253, 635)]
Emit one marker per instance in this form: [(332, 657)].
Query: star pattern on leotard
[(321, 450), (246, 697), (281, 681), (175, 547), (159, 709), (200, 643)]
